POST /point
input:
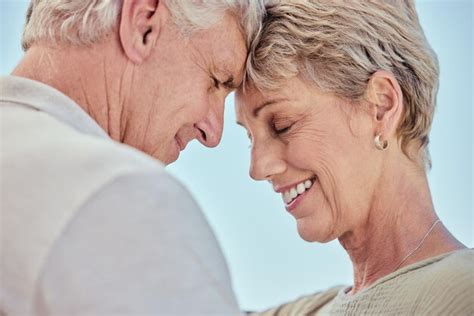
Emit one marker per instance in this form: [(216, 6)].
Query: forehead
[(223, 45), (248, 101)]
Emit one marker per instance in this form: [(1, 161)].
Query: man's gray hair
[(86, 22)]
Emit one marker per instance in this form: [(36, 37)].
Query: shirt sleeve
[(138, 246)]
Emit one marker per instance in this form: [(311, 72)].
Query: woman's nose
[(266, 162)]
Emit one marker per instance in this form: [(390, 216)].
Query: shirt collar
[(45, 98)]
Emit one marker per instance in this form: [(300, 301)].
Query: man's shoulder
[(36, 140), (105, 155), (59, 168)]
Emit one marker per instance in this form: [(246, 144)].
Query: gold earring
[(378, 144)]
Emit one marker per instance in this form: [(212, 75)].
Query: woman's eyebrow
[(264, 104)]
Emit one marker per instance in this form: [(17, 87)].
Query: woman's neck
[(401, 228)]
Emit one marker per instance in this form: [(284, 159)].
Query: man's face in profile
[(180, 92)]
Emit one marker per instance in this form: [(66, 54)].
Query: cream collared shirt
[(90, 226)]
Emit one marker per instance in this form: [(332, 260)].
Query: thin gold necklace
[(418, 246)]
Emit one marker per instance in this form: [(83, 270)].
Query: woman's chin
[(314, 233)]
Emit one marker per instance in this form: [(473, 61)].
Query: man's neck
[(85, 76)]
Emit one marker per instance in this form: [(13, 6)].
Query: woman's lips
[(293, 204)]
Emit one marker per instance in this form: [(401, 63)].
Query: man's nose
[(266, 162), (211, 126)]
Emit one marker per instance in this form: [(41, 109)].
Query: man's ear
[(386, 102), (139, 28)]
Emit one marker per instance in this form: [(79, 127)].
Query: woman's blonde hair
[(84, 22), (339, 44)]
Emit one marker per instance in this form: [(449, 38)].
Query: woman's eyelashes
[(281, 128)]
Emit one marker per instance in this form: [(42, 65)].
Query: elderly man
[(90, 222)]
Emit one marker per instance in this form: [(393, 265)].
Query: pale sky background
[(268, 261)]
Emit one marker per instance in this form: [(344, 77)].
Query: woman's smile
[(292, 195)]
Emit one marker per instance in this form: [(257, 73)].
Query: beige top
[(442, 285), (90, 226)]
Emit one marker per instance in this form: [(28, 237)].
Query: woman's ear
[(386, 99), (139, 28)]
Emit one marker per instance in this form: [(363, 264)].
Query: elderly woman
[(338, 104)]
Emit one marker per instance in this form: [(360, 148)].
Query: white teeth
[(286, 197), (300, 188), (293, 193)]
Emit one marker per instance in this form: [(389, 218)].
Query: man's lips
[(181, 144)]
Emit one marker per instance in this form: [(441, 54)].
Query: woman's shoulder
[(463, 256), (457, 265), (445, 285), (304, 305), (454, 268)]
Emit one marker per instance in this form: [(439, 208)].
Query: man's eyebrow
[(230, 84), (220, 70), (264, 104)]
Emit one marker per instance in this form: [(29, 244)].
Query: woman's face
[(316, 150)]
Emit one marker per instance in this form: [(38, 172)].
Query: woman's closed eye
[(281, 129)]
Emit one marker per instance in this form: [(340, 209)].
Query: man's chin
[(167, 155), (170, 161), (167, 158), (172, 156)]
